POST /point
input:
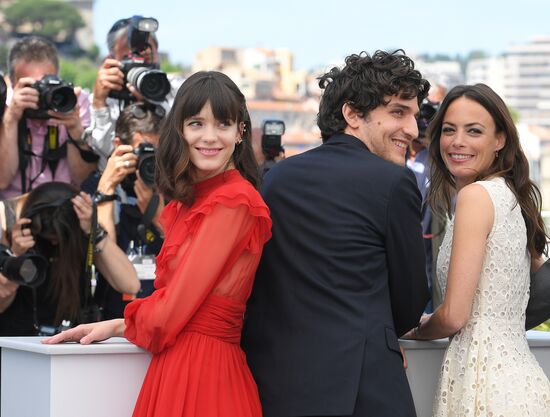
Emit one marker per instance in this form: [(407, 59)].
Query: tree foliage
[(81, 72), (52, 19)]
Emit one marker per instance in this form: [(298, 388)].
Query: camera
[(28, 269), (147, 79), (425, 116), (146, 162), (150, 82), (54, 94), (272, 131), (145, 166)]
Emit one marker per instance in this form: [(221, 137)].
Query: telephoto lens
[(153, 84)]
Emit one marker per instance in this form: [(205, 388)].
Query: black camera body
[(149, 81), (146, 162), (425, 115), (28, 269), (54, 94), (145, 166), (272, 132)]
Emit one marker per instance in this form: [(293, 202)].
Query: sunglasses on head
[(139, 110)]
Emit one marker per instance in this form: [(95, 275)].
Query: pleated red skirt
[(205, 372)]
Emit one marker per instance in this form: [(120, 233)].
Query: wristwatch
[(99, 197), (80, 141)]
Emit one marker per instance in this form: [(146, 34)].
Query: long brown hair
[(511, 163), (56, 221), (174, 166)]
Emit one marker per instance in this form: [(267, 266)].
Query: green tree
[(169, 67), (515, 114), (81, 72), (52, 19)]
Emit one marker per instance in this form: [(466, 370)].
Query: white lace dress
[(488, 370)]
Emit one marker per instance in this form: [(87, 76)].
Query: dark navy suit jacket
[(341, 278)]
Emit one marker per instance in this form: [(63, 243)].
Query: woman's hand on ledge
[(88, 333)]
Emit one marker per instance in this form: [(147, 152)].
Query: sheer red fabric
[(192, 322)]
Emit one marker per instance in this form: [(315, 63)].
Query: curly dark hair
[(511, 163), (173, 168), (365, 82)]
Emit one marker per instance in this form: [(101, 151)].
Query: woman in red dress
[(216, 225)]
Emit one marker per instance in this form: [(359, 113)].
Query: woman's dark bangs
[(223, 101), (195, 101)]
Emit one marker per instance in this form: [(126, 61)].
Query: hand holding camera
[(109, 78), (24, 97), (122, 162)]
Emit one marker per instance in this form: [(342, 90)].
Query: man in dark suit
[(344, 274)]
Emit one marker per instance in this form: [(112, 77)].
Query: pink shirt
[(38, 130)]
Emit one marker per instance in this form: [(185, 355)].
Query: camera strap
[(146, 233), (50, 157), (86, 154), (90, 266), (24, 144), (52, 151)]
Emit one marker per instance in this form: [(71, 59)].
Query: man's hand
[(121, 163), (24, 97), (71, 120), (110, 77)]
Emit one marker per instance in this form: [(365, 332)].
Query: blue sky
[(322, 32)]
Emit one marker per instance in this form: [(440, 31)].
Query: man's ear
[(351, 115), (116, 141)]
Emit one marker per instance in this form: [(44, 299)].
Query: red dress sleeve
[(220, 237)]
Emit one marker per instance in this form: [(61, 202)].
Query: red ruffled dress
[(192, 322)]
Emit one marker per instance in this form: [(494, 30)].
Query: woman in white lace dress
[(494, 237)]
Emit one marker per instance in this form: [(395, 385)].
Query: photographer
[(54, 221), (272, 148), (129, 40), (37, 143), (128, 205)]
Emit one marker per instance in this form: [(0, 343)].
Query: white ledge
[(32, 344), (534, 338)]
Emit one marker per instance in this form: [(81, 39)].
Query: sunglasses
[(140, 110)]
